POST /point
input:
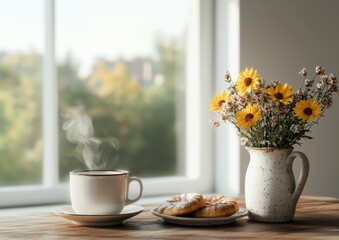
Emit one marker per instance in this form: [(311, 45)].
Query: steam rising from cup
[(95, 153)]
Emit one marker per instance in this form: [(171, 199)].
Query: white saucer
[(98, 220)]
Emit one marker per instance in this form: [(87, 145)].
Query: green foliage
[(20, 120)]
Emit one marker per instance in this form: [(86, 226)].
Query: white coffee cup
[(101, 192)]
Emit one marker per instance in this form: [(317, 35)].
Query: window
[(134, 68), (21, 50), (128, 71)]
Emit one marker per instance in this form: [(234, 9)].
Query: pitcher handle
[(305, 167), (138, 180)]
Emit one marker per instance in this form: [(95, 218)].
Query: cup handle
[(131, 179), (305, 167)]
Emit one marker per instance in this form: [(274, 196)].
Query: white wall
[(279, 37)]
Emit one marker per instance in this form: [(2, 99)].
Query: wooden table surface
[(316, 218)]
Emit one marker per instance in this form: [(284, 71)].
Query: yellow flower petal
[(280, 93), (248, 117), (218, 100), (247, 81), (307, 110)]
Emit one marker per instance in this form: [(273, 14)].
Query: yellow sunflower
[(247, 80), (307, 110), (248, 117), (281, 93), (218, 100)]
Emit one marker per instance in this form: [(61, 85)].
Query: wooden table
[(316, 218)]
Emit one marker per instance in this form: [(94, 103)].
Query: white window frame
[(228, 164), (198, 176)]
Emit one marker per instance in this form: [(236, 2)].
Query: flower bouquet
[(272, 115)]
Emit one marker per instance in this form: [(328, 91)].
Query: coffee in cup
[(101, 192)]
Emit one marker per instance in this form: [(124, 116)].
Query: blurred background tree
[(140, 113), (20, 119)]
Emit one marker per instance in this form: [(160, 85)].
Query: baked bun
[(183, 204), (217, 206)]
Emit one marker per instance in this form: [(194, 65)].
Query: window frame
[(198, 175), (228, 164)]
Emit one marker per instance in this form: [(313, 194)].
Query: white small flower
[(332, 80), (324, 79), (309, 82), (297, 129), (244, 141), (224, 115), (303, 72), (262, 83), (214, 122), (333, 77), (227, 76), (319, 70)]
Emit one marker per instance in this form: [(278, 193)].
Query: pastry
[(217, 206), (182, 204)]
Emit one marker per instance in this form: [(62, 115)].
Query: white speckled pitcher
[(271, 193)]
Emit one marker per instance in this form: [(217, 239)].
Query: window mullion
[(50, 101), (198, 90), (227, 53), (193, 90)]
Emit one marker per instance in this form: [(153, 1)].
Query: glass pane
[(124, 61), (21, 46)]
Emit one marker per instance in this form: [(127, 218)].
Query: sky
[(90, 29), (21, 25)]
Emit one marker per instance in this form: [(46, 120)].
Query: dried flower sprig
[(271, 115)]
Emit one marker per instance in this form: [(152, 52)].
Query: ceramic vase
[(271, 193)]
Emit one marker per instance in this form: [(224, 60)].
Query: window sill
[(154, 200), (49, 208)]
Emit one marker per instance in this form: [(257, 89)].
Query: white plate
[(192, 221), (98, 220)]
